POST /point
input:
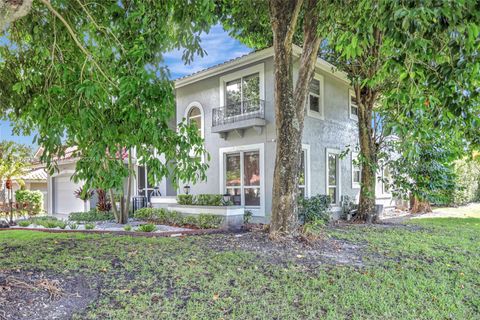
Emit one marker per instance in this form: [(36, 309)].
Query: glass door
[(242, 177)]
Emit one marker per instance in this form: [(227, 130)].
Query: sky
[(217, 43)]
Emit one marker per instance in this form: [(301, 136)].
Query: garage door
[(64, 201)]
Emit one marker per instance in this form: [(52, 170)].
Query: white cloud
[(219, 47)]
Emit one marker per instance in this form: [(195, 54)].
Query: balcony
[(238, 117)]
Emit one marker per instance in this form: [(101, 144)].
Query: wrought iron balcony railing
[(240, 111)]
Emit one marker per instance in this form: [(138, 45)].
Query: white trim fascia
[(258, 68), (225, 67), (252, 58), (350, 115), (355, 185), (250, 147), (306, 147), (313, 114), (339, 171)]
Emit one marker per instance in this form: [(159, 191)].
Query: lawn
[(426, 270)]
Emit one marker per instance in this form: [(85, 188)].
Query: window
[(242, 95), (333, 173), (194, 115), (144, 187), (353, 105), (356, 171), (242, 177), (304, 172), (315, 98)]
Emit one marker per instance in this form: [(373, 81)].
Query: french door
[(242, 177)]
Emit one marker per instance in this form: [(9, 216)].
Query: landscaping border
[(163, 234)]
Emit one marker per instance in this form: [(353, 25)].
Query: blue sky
[(218, 45)]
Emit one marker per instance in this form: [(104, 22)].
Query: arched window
[(195, 116)]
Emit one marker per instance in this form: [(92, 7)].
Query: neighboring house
[(233, 106)]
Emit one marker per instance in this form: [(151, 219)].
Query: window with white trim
[(356, 171), (352, 105), (315, 98), (242, 177), (302, 180), (194, 115), (333, 177)]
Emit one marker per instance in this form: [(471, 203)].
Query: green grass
[(429, 270), (471, 210)]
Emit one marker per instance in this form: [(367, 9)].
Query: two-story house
[(233, 107)]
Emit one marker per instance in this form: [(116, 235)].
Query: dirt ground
[(38, 295)]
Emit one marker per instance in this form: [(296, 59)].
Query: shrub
[(89, 226), (91, 216), (24, 223), (185, 199), (147, 228), (314, 208), (61, 224), (103, 204), (50, 224), (208, 200), (127, 227), (209, 221), (145, 213), (33, 199), (247, 216), (73, 226), (190, 221)]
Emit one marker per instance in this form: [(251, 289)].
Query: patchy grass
[(427, 270), (471, 210)]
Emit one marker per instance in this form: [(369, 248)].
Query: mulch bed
[(37, 295), (291, 250)]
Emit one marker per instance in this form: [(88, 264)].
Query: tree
[(395, 53), (91, 75), (285, 19), (14, 160)]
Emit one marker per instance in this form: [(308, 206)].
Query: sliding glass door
[(242, 177)]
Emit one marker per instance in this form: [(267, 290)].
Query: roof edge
[(251, 58)]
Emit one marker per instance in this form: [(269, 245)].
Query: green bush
[(185, 199), (202, 200), (24, 223), (73, 226), (147, 228), (145, 213), (91, 216), (208, 200), (89, 226), (127, 227), (209, 221), (314, 208), (467, 182), (47, 222), (33, 199), (50, 224), (190, 221), (61, 224)]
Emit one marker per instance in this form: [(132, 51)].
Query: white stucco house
[(233, 106)]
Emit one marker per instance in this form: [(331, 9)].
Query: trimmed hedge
[(215, 200), (33, 198), (164, 216)]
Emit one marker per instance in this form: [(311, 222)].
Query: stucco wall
[(336, 131)]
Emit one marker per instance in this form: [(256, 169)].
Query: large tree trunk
[(368, 154), (11, 10), (289, 106), (419, 206)]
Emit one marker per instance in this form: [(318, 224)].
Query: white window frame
[(258, 68), (260, 147), (355, 185), (352, 116), (306, 149), (337, 153), (196, 104), (313, 114)]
